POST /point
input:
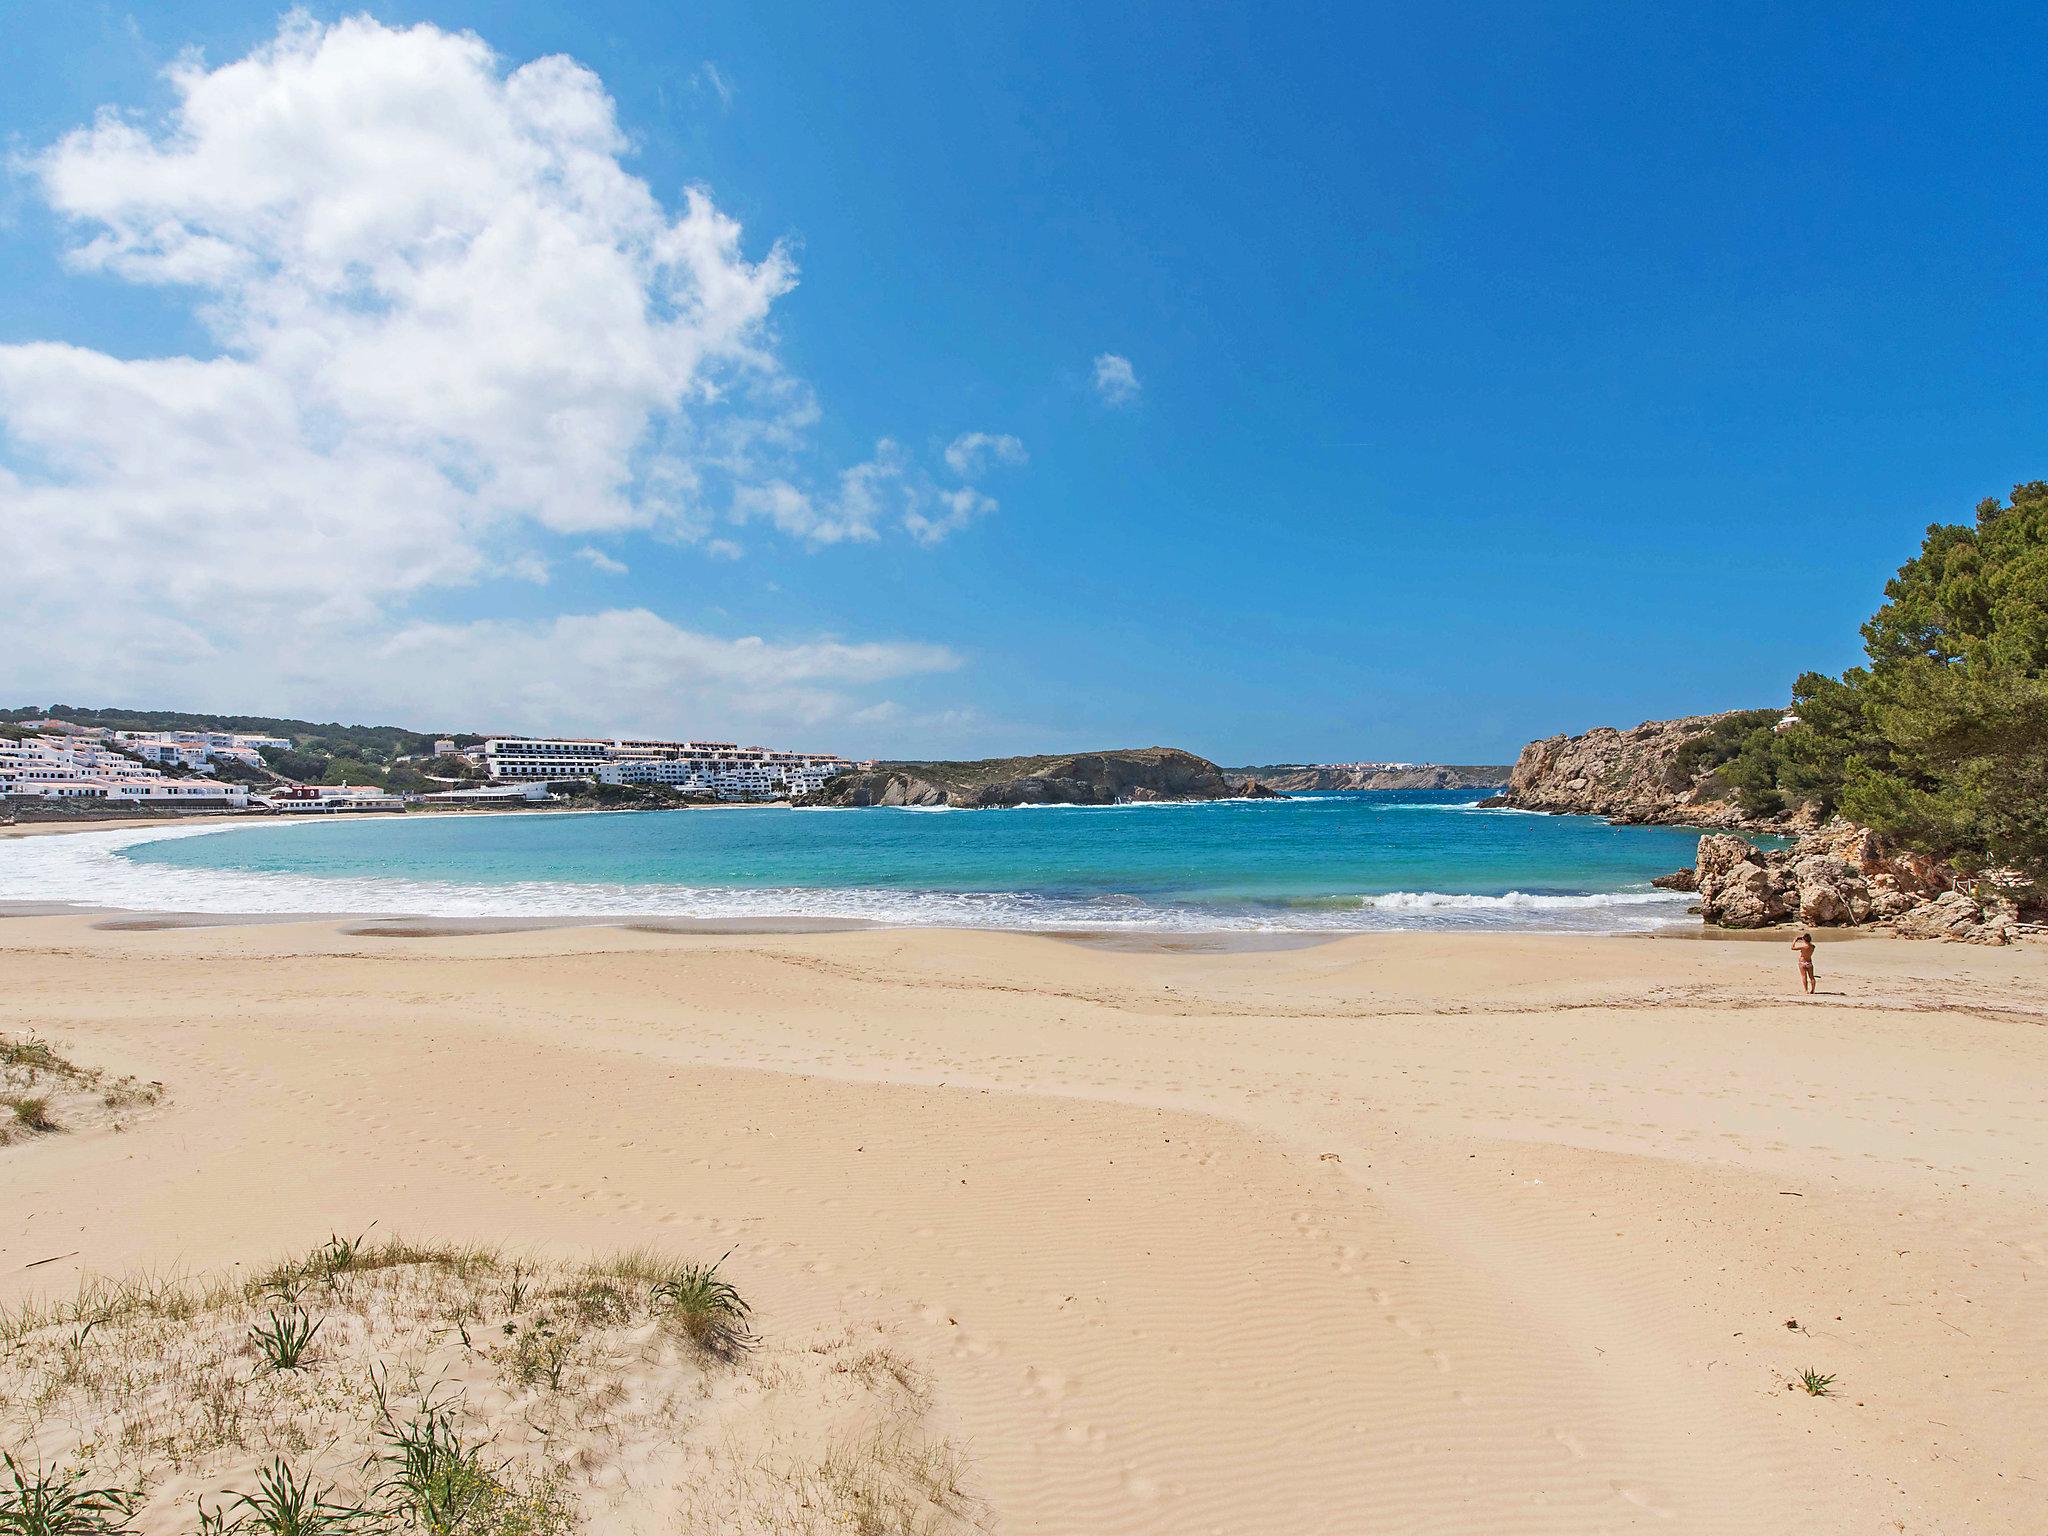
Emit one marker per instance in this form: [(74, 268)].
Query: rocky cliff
[(1844, 875), (1312, 778), (1659, 773), (1083, 778)]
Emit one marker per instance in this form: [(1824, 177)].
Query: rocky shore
[(1654, 774), (1843, 876), (1085, 778), (1834, 875)]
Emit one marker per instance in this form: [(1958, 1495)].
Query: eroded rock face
[(1634, 776), (1838, 876)]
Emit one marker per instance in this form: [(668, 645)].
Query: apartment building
[(72, 768), (723, 769)]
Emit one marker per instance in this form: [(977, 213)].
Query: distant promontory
[(1123, 776), (1321, 778)]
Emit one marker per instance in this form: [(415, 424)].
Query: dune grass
[(394, 1386), (42, 1091)]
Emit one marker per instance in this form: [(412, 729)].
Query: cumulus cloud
[(1116, 381), (971, 452), (452, 336), (598, 560), (635, 671), (944, 513)]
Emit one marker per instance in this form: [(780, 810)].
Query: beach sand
[(1396, 1233)]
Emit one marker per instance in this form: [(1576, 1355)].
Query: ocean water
[(1370, 860)]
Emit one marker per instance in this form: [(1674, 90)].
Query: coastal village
[(54, 759)]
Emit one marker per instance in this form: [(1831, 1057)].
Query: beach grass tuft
[(287, 1503), (32, 1112), (47, 1503), (1814, 1384), (708, 1308), (284, 1337)]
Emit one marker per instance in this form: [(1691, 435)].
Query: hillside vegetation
[(1939, 742), (1079, 778)]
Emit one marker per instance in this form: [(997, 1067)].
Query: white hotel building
[(722, 769), (73, 768)]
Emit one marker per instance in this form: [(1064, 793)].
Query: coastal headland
[(1396, 1232), (1126, 775)]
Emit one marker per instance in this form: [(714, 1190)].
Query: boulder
[(1829, 891), (1951, 915), (1746, 895), (1719, 853), (1678, 880), (1842, 875)]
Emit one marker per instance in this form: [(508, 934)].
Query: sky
[(1286, 383)]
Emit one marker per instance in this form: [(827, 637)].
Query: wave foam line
[(86, 868)]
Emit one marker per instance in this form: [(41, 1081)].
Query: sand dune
[(1397, 1233)]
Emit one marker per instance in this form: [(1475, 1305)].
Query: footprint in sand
[(1572, 1444), (1050, 1385), (1641, 1499)]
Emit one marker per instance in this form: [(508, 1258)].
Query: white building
[(165, 750), (72, 768), (197, 749), (492, 794), (331, 797), (723, 769)]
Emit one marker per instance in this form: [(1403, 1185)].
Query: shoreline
[(1151, 937)]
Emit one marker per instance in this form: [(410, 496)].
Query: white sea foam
[(87, 868), (1524, 901)]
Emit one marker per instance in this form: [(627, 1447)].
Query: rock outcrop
[(1838, 876), (1319, 778), (1083, 778), (1644, 775)]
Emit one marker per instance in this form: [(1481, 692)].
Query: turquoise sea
[(1396, 859)]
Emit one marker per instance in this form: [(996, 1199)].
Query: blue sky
[(1497, 372)]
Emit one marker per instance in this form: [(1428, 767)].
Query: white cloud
[(710, 78), (971, 452), (452, 334), (953, 510), (598, 560), (849, 515), (1116, 381), (631, 670)]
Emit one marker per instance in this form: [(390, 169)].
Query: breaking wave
[(89, 869)]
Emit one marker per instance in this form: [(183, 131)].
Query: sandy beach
[(1393, 1233)]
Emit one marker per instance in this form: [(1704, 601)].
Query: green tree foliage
[(452, 765), (1941, 741), (366, 743), (1957, 691), (353, 770), (306, 767)]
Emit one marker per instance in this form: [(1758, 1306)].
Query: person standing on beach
[(1803, 948)]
